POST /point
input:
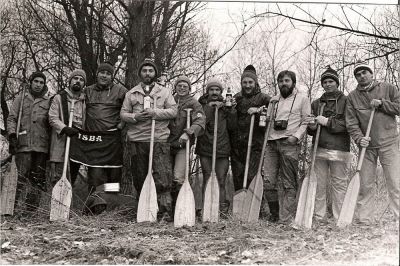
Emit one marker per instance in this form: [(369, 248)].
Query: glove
[(12, 144), (322, 120), (69, 131), (375, 103)]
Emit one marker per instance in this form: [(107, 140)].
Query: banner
[(97, 149)]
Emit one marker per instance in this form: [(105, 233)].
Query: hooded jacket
[(243, 102), (34, 129), (178, 125), (226, 124), (334, 135), (103, 106), (384, 127)]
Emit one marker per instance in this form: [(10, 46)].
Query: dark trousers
[(31, 178), (98, 176), (238, 162), (161, 170), (57, 171), (221, 170)]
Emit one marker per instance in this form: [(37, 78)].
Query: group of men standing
[(108, 108)]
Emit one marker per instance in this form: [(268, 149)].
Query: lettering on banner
[(91, 138)]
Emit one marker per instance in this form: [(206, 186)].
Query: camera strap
[(291, 107)]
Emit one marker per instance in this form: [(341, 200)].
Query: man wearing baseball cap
[(383, 142)]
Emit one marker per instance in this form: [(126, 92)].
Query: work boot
[(274, 211)]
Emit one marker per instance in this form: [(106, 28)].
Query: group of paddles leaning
[(258, 135)]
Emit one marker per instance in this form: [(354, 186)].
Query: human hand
[(183, 138), (322, 120), (364, 142), (142, 116), (252, 110), (150, 111), (216, 104), (69, 131), (375, 103), (292, 140)]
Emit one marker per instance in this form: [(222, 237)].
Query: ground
[(115, 238)]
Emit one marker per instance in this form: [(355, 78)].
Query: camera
[(280, 124)]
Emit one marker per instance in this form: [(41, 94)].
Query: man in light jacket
[(138, 111)]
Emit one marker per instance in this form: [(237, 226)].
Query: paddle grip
[(363, 150), (246, 167)]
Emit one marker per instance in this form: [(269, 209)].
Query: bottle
[(228, 101), (263, 117), (147, 100)]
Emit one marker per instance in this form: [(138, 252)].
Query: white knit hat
[(361, 65)]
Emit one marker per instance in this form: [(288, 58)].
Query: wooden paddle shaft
[(188, 110), (214, 154), (362, 153), (246, 167), (67, 145), (321, 111), (271, 119), (153, 126), (20, 112)]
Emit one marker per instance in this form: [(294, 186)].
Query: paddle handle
[(363, 150), (188, 110), (214, 152), (67, 145), (271, 119), (246, 167), (314, 154), (153, 126), (20, 111)]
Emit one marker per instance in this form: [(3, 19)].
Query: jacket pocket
[(23, 140)]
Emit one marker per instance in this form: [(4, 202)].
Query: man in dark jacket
[(179, 133), (226, 123), (383, 141), (248, 102), (333, 153), (32, 146), (103, 105)]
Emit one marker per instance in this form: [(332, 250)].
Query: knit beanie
[(330, 73), (37, 74), (183, 78), (214, 82), (250, 72), (148, 62), (361, 65), (77, 72), (107, 66)]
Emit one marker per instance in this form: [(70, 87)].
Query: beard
[(76, 88), (286, 91)]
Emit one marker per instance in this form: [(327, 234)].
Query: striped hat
[(361, 65), (330, 73)]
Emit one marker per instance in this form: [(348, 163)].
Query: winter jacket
[(103, 106), (58, 119), (384, 127), (240, 136), (294, 115), (179, 125), (166, 110), (334, 135), (34, 129), (226, 124)]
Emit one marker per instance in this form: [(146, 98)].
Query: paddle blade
[(147, 206), (252, 202), (185, 208), (61, 198), (349, 202), (310, 201), (301, 204), (238, 203), (9, 189), (211, 200)]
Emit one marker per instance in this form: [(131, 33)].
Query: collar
[(81, 96), (139, 88), (367, 88)]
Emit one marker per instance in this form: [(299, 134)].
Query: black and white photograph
[(139, 132)]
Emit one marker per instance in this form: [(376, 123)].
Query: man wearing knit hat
[(58, 118), (250, 101), (137, 111), (281, 159), (333, 152), (204, 148), (103, 104), (180, 134), (32, 144), (383, 142)]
